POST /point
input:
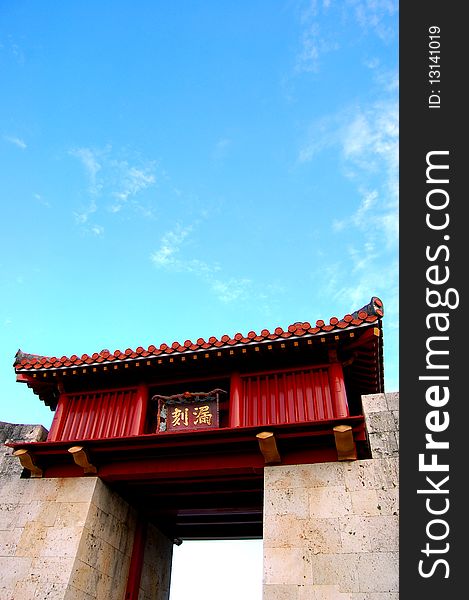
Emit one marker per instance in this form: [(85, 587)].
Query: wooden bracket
[(344, 442), (28, 462), (268, 447), (81, 459)]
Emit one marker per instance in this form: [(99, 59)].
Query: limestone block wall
[(104, 551), (331, 529), (156, 572), (67, 539), (70, 538), (382, 423), (9, 465)]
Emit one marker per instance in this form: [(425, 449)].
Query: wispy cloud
[(97, 230), (322, 22), (41, 200), (377, 16), (367, 142), (90, 161), (316, 40), (16, 141), (231, 289), (129, 181), (82, 216), (169, 256), (114, 182), (11, 48)]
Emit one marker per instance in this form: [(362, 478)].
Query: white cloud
[(82, 216), (323, 134), (16, 141), (42, 201), (171, 241), (232, 289), (322, 23), (129, 181), (377, 16), (313, 46), (97, 230), (367, 140), (114, 182), (89, 160), (168, 257)]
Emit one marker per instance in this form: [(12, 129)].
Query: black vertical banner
[(434, 267)]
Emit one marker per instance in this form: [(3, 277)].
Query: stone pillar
[(331, 529), (71, 539), (157, 562)]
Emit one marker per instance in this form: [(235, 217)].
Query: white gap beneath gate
[(210, 570)]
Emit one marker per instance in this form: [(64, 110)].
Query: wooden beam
[(81, 459), (268, 447), (344, 443), (28, 462)]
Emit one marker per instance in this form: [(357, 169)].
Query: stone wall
[(331, 529), (69, 538), (156, 573), (10, 465)]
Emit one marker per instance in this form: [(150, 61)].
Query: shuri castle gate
[(288, 436)]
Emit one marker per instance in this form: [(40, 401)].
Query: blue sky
[(180, 170), (175, 170)]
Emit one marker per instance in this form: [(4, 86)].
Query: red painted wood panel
[(103, 414), (297, 396)]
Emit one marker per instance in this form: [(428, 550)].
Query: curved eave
[(226, 350), (370, 313)]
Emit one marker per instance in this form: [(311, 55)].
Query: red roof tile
[(369, 313)]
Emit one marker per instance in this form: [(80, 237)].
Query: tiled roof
[(369, 313)]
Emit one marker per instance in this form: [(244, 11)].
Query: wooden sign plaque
[(190, 411)]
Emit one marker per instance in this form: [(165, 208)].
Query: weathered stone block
[(384, 533), (378, 474), (329, 502), (75, 489), (61, 542), (378, 572), (383, 445), (374, 403), (73, 593), (365, 502), (280, 592), (287, 566), (9, 542), (51, 570), (336, 570), (286, 501), (388, 501), (380, 422), (322, 592), (304, 476), (14, 570), (392, 400), (354, 533)]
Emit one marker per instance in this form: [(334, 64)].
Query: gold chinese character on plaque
[(202, 415), (180, 416)]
